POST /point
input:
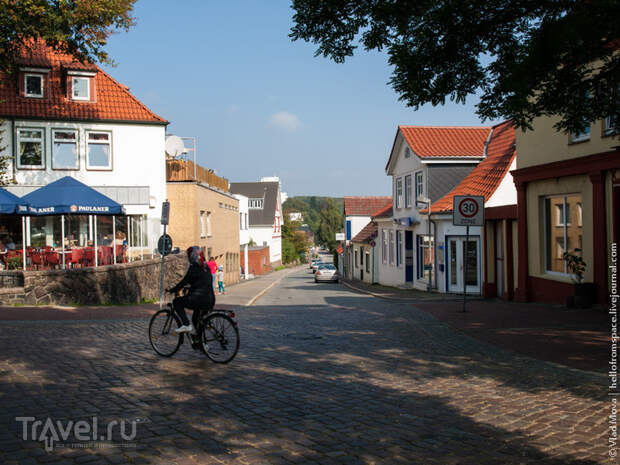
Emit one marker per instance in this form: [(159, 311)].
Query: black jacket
[(199, 280)]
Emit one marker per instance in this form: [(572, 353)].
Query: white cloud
[(285, 120)]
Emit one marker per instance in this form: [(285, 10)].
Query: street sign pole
[(165, 215), (465, 269)]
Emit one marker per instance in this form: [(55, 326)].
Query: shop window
[(425, 257), (561, 234)]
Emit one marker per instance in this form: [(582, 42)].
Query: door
[(409, 256), (499, 258), (457, 258)]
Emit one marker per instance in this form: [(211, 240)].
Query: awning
[(8, 202), (68, 196)]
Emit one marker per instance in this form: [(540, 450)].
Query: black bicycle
[(217, 334)]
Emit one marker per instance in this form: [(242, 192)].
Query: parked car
[(326, 272), (315, 265), (314, 262)]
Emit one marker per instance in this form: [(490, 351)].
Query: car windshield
[(327, 267)]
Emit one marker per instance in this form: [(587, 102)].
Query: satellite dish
[(174, 146)]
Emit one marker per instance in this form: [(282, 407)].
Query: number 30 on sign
[(468, 210)]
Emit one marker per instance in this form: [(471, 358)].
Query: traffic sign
[(164, 244), (468, 210)]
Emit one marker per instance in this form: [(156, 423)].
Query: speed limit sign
[(468, 210)]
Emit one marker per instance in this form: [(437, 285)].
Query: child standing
[(220, 280)]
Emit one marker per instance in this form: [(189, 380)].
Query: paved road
[(324, 376)]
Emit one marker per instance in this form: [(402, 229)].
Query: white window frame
[(608, 127), (209, 232), (546, 212), (399, 192), (77, 148), (419, 175), (399, 248), (408, 191), (42, 88), (384, 247), (391, 251), (88, 142), (202, 225), (255, 204), (87, 79), (29, 139)]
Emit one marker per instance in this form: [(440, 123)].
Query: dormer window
[(255, 204), (80, 88), (33, 85)]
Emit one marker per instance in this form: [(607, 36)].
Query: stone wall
[(114, 284)]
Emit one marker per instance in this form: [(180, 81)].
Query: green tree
[(330, 222), (78, 27), (294, 242), (526, 59)]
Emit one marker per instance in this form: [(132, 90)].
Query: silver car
[(316, 264), (326, 273)]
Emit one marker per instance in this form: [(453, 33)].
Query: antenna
[(175, 146)]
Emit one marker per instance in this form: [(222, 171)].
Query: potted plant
[(585, 293)]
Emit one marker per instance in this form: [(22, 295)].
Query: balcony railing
[(184, 170)]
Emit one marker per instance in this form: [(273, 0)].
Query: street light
[(427, 201)]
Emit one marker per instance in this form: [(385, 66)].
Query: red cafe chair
[(88, 256), (77, 256), (52, 259), (36, 260)]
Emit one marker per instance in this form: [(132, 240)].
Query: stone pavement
[(577, 338), (324, 376)]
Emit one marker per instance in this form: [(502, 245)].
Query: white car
[(315, 265), (327, 272)]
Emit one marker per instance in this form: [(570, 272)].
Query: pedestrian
[(212, 264), (220, 280)]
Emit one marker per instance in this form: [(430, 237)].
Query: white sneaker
[(184, 329)]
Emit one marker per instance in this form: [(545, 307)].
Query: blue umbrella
[(68, 196), (8, 202)]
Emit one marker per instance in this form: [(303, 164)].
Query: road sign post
[(467, 210), (163, 249)]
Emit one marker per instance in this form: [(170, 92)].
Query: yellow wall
[(545, 145), (186, 202)]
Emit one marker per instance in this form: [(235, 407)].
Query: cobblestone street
[(324, 376)]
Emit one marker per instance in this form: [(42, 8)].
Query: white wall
[(264, 234), (138, 159), (357, 224), (244, 226), (506, 192), (389, 274)]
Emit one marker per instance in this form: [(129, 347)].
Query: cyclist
[(200, 293)]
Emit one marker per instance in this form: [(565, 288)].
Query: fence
[(184, 170)]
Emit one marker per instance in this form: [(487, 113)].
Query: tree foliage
[(323, 215), (78, 27), (294, 242), (525, 58)]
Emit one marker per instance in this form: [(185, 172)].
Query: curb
[(254, 299), (404, 299)]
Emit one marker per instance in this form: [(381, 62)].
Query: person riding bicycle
[(200, 295)]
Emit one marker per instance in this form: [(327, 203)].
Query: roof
[(485, 178), (385, 212), (367, 234), (112, 101), (429, 142), (268, 191), (364, 206)]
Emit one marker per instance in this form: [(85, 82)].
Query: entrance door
[(456, 264), (499, 258), (409, 256)]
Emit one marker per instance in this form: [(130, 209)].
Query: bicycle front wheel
[(161, 333), (220, 338)]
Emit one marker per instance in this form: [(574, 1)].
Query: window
[(33, 85), (80, 88), (255, 204), (408, 193), (391, 247), (399, 247), (30, 146), (407, 152), (581, 136), (209, 224), (562, 235), (610, 126), (203, 224), (65, 150), (99, 150), (361, 255), (419, 185), (241, 222), (348, 230), (247, 225), (425, 257), (356, 260), (384, 246), (399, 192), (367, 262)]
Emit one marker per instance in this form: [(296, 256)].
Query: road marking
[(264, 291)]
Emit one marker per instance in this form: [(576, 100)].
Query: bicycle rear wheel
[(220, 338), (161, 333)]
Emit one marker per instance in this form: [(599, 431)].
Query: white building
[(244, 231), (436, 164), (63, 118), (265, 215)]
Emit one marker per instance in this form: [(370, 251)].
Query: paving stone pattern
[(324, 376)]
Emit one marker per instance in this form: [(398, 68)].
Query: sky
[(259, 104)]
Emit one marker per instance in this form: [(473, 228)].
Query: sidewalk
[(571, 337), (238, 295)]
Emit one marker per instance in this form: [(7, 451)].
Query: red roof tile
[(487, 176), (446, 141), (367, 234), (364, 206), (110, 100), (385, 212)]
